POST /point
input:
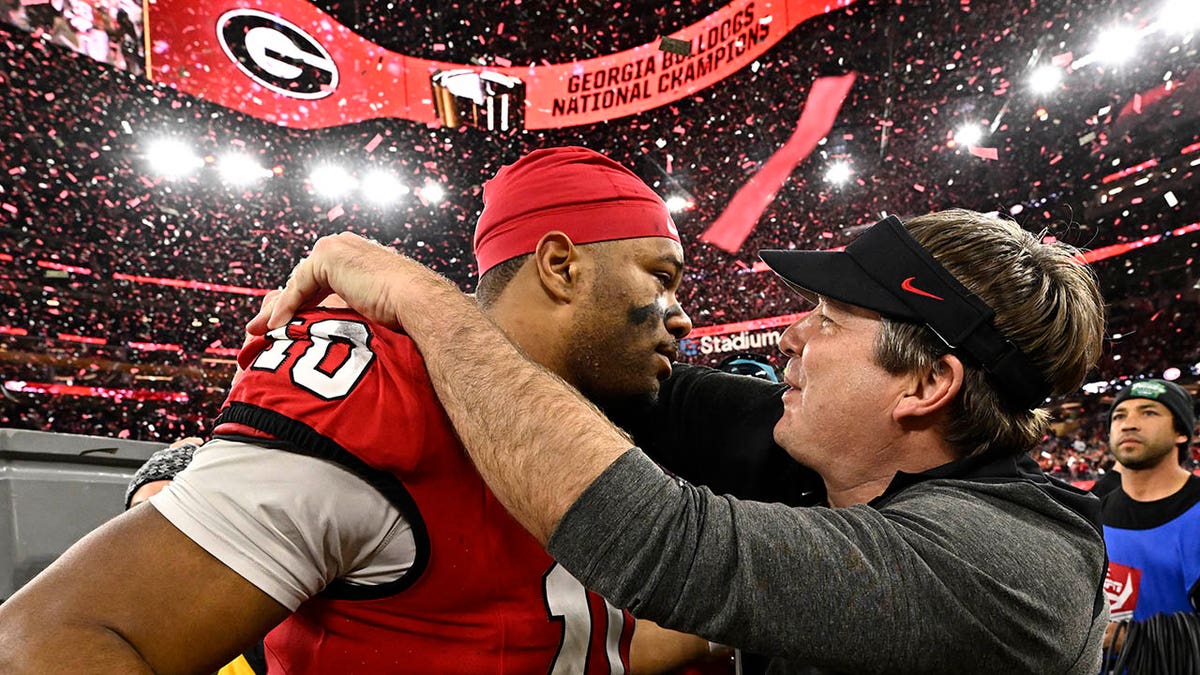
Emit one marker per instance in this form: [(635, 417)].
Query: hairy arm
[(535, 440), (134, 596)]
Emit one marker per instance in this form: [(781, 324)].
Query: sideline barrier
[(55, 488)]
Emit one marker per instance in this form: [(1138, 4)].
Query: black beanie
[(1175, 397)]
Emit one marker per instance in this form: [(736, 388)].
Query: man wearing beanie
[(336, 501), (1152, 521)]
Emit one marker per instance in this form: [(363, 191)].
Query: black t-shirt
[(716, 429), (1120, 510), (1110, 481)]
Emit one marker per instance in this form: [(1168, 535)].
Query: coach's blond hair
[(1046, 302)]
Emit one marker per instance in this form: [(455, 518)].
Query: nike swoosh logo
[(907, 285)]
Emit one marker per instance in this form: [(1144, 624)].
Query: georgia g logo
[(277, 54)]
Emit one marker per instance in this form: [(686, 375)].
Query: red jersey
[(482, 596)]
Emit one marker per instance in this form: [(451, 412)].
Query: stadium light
[(236, 168), (1180, 16), (331, 181), (838, 173), (968, 135), (382, 187), (433, 193), (1117, 45), (1045, 79), (675, 204), (172, 158)]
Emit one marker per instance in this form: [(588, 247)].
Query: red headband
[(577, 191)]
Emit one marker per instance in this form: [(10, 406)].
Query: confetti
[(985, 153), (76, 186)]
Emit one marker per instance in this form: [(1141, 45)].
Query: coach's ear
[(559, 265), (930, 393)]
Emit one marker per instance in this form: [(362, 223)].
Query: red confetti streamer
[(63, 268), (734, 225), (984, 153), (1127, 171), (1105, 252), (186, 283)]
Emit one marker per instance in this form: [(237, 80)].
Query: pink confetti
[(985, 153), (335, 213), (9, 207), (370, 147), (918, 187)]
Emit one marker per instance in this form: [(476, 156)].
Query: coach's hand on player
[(370, 277)]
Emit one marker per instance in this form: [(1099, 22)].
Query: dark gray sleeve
[(930, 583)]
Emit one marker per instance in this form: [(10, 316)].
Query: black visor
[(887, 271)]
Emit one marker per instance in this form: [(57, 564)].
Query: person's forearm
[(30, 646), (88, 652), (535, 440), (133, 596)]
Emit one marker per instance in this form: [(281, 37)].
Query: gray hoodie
[(982, 565)]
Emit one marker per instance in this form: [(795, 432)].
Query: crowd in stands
[(86, 228), (1077, 448)]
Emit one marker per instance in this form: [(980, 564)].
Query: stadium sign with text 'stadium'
[(288, 62)]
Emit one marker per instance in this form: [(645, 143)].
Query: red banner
[(287, 62)]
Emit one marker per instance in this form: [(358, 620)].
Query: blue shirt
[(1161, 539)]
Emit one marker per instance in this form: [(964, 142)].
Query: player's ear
[(558, 264)]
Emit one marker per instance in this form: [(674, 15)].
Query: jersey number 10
[(318, 370)]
